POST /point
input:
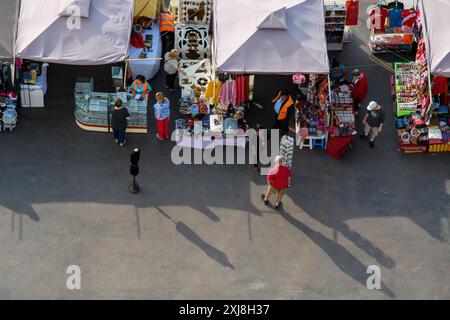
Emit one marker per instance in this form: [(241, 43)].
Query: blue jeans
[(119, 135)]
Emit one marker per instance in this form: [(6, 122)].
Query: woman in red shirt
[(360, 89), (278, 179)]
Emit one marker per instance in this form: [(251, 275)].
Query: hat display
[(372, 105)]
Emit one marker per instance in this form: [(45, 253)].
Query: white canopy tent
[(8, 23), (436, 22), (77, 32), (270, 36)]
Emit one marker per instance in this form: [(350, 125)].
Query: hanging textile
[(352, 12), (228, 93)]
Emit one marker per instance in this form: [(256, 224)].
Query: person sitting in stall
[(141, 87), (360, 89), (284, 110), (337, 72)]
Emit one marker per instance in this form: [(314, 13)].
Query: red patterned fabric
[(352, 12)]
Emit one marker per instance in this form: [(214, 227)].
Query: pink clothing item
[(228, 93)]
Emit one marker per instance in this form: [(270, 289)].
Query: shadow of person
[(364, 244), (343, 259), (208, 249)]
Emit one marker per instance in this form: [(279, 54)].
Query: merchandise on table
[(343, 111), (413, 103), (145, 48), (313, 115), (201, 107), (392, 27)]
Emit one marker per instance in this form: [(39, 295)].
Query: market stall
[(211, 110), (268, 39), (8, 92), (392, 26), (435, 25), (97, 34)]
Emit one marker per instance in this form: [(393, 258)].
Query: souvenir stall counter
[(8, 98), (313, 115), (343, 123), (93, 109), (145, 52), (412, 106), (392, 27)]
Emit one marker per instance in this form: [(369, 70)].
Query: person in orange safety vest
[(284, 110), (167, 30)]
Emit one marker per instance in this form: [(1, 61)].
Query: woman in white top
[(171, 68)]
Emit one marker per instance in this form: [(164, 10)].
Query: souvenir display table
[(387, 42), (343, 116), (93, 109), (411, 106), (391, 27), (139, 62), (313, 116)]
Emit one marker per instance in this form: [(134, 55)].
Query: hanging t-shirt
[(409, 17), (378, 19), (395, 18), (440, 85)]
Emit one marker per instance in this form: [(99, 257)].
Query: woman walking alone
[(119, 122), (162, 115)]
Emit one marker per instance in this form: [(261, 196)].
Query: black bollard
[(134, 170)]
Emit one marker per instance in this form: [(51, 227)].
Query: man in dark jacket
[(119, 122)]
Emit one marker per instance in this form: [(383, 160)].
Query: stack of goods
[(392, 27), (412, 105), (313, 116), (8, 99), (287, 150), (439, 128), (8, 113), (335, 17), (343, 113)]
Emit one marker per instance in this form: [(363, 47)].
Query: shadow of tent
[(340, 256)]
